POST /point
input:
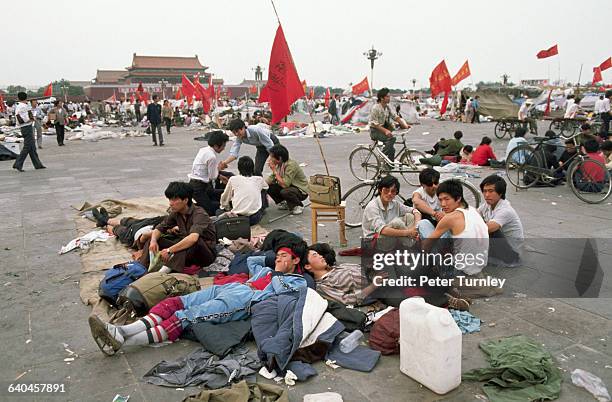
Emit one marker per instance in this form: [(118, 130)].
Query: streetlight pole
[(372, 55), (413, 86), (258, 77), (65, 90)]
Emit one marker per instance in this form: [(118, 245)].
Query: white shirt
[(598, 106), (244, 193), (506, 217), (605, 106), (522, 113), (474, 241), (205, 165), (571, 111), (21, 110), (432, 201)]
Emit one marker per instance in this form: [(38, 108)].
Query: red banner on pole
[(361, 87), (48, 90), (327, 97), (187, 88), (597, 75), (462, 74), (440, 81), (606, 64), (284, 86), (552, 51)]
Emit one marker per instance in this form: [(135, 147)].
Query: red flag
[(542, 54), (597, 75), (187, 88), (547, 110), (440, 81), (311, 93), (48, 90), (327, 96), (606, 64), (178, 95), (462, 74), (284, 86), (2, 107), (140, 88), (361, 87), (199, 90)]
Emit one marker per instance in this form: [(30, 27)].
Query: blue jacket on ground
[(231, 302)]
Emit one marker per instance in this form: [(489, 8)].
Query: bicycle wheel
[(568, 128), (522, 166), (356, 200), (555, 126), (471, 193), (589, 180), (410, 161), (500, 129), (364, 163)]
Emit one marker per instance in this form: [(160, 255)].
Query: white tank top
[(473, 240)]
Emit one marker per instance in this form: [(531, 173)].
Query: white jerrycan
[(430, 345)]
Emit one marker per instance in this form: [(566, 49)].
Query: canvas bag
[(152, 288), (324, 190)]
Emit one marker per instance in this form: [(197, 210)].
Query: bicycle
[(588, 179), (360, 195), (566, 128), (367, 162)]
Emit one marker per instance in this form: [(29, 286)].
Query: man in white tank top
[(464, 225)]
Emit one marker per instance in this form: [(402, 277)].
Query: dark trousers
[(605, 127), (500, 249), (29, 148), (389, 147), (200, 254), (168, 122), (59, 133), (292, 195), (158, 128), (476, 117), (262, 155), (207, 195)]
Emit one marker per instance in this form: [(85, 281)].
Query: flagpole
[(314, 126)]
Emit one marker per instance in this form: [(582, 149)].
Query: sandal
[(457, 303), (105, 341)]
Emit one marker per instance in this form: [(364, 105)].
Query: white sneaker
[(283, 205), (297, 210)]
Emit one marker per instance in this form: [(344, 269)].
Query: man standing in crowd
[(605, 115), (258, 135), (137, 110), (25, 118), (167, 114), (58, 115), (503, 223), (38, 117), (154, 117), (333, 110), (476, 109), (381, 126)]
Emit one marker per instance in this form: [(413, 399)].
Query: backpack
[(385, 333), (154, 287), (117, 278)]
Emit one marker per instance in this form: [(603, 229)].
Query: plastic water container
[(430, 345)]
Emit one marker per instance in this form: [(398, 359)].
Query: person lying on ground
[(287, 183), (185, 237), (245, 194), (205, 179), (217, 304), (132, 232), (425, 199), (463, 224), (503, 223), (258, 135), (483, 155), (387, 219)]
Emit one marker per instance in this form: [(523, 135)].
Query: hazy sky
[(70, 39)]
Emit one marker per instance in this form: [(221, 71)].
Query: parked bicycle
[(368, 161), (360, 195), (588, 179)]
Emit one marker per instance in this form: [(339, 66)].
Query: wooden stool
[(328, 213)]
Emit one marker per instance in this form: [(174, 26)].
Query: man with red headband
[(216, 304)]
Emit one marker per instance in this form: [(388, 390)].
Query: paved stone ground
[(41, 292)]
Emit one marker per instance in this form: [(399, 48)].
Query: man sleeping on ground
[(216, 304)]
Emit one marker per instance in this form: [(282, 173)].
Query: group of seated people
[(453, 150)]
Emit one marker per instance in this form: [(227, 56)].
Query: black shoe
[(41, 167), (19, 169), (155, 144), (101, 221), (104, 214), (161, 145)]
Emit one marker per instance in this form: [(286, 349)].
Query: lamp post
[(372, 55), (163, 84), (65, 91), (258, 77), (413, 85)]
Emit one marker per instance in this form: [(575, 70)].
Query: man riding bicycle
[(381, 126)]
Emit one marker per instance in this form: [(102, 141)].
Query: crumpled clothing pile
[(85, 242), (201, 367), (466, 322)]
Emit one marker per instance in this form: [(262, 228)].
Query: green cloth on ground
[(521, 370), (242, 392), (435, 160)]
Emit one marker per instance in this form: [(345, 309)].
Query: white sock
[(152, 335), (148, 321)]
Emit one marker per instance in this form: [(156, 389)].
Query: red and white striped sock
[(148, 321), (153, 335)]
